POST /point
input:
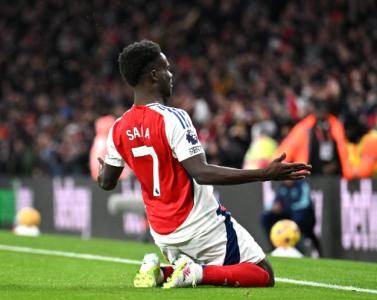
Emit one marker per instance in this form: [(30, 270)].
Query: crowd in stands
[(235, 63)]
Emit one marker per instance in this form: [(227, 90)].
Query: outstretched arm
[(204, 173), (108, 175)]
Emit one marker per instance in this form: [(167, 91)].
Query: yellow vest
[(260, 153), (354, 153), (372, 134)]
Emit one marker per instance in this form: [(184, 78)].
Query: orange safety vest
[(99, 147), (367, 166), (296, 144)]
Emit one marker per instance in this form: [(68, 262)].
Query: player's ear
[(153, 75)]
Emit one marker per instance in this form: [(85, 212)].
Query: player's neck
[(144, 97)]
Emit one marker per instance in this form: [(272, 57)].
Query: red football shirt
[(153, 139)]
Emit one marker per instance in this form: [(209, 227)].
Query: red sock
[(242, 275), (167, 272)]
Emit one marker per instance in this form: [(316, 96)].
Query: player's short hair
[(135, 58)]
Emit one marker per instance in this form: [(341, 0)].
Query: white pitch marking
[(136, 262), (331, 286), (69, 254)]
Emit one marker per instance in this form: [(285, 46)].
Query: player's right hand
[(278, 170)]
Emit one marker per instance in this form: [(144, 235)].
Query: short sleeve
[(181, 135), (113, 157)]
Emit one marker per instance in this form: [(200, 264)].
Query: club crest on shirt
[(191, 137)]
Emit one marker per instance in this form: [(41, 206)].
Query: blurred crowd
[(235, 63)]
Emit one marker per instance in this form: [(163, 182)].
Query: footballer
[(194, 231)]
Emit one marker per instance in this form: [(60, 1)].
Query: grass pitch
[(37, 276)]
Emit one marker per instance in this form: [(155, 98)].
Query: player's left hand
[(277, 170)]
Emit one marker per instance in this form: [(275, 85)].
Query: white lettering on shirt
[(128, 132), (137, 133)]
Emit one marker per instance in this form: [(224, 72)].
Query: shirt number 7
[(144, 151)]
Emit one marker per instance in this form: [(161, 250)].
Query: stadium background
[(234, 63)]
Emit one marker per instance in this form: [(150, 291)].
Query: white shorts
[(228, 243)]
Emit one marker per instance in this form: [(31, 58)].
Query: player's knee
[(265, 265), (271, 277), (271, 281)]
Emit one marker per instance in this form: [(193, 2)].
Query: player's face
[(164, 77)]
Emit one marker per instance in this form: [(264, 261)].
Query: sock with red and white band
[(242, 275), (165, 273)]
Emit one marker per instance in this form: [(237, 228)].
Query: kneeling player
[(192, 229)]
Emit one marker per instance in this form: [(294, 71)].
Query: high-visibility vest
[(99, 147), (260, 153), (367, 166), (296, 144), (354, 153)]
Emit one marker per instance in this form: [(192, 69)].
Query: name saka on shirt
[(136, 133)]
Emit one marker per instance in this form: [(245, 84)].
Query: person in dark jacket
[(292, 202)]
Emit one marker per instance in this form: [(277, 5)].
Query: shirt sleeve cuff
[(115, 162), (190, 153)]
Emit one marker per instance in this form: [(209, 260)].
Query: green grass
[(36, 276)]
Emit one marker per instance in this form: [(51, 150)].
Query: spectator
[(74, 151), (319, 140), (367, 166), (99, 147), (354, 130), (292, 202), (263, 147)]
